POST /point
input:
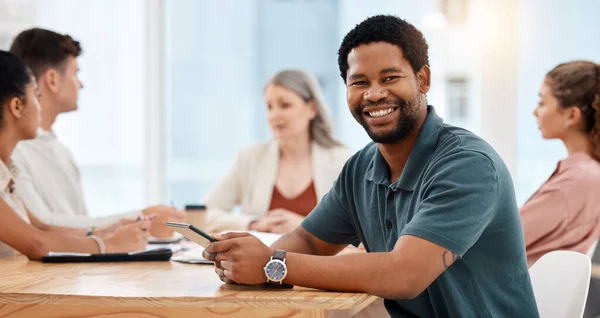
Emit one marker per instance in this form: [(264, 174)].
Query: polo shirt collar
[(378, 171)]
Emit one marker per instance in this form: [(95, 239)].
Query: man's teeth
[(381, 113)]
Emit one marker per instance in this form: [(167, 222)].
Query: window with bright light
[(457, 92)]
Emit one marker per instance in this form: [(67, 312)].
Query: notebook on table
[(159, 254)]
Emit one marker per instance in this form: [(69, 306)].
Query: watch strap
[(279, 254)]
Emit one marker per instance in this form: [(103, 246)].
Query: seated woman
[(279, 182), (21, 231), (564, 214)]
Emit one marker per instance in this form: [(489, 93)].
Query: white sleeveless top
[(7, 185)]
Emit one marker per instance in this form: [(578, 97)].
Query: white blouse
[(9, 195)]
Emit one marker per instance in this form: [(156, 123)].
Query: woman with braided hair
[(564, 214)]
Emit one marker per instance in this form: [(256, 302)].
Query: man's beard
[(407, 120)]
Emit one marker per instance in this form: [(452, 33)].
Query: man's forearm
[(294, 242), (373, 273), (302, 242)]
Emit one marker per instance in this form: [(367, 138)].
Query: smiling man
[(433, 204)]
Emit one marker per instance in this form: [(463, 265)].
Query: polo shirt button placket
[(390, 198), (389, 224)]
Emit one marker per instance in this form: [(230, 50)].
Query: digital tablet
[(191, 232)]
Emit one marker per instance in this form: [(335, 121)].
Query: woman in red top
[(278, 182)]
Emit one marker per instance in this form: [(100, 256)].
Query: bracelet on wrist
[(100, 243)]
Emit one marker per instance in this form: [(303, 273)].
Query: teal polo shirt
[(456, 192)]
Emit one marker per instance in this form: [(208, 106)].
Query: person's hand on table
[(278, 221), (239, 258), (161, 214), (106, 230), (128, 238)]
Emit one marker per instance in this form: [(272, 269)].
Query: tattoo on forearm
[(448, 258)]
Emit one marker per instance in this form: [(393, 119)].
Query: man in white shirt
[(49, 179), (20, 230)]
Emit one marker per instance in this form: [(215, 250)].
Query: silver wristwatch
[(276, 270)]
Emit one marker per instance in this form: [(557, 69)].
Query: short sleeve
[(459, 200), (331, 219)]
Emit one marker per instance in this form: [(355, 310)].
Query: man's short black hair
[(14, 77), (390, 29), (42, 49)]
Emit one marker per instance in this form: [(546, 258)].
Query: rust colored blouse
[(564, 214), (301, 204)]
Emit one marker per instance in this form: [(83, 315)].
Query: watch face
[(276, 270)]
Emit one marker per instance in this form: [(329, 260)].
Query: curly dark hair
[(42, 49), (390, 29)]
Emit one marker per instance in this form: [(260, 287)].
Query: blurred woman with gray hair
[(278, 183)]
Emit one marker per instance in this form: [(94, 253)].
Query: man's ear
[(424, 79), (15, 107), (51, 78)]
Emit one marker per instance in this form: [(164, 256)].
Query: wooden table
[(154, 289)]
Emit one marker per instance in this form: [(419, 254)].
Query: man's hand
[(126, 221), (107, 230), (128, 238), (218, 268), (277, 221), (221, 272), (162, 214), (239, 257)]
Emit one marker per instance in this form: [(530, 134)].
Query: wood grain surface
[(154, 289)]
